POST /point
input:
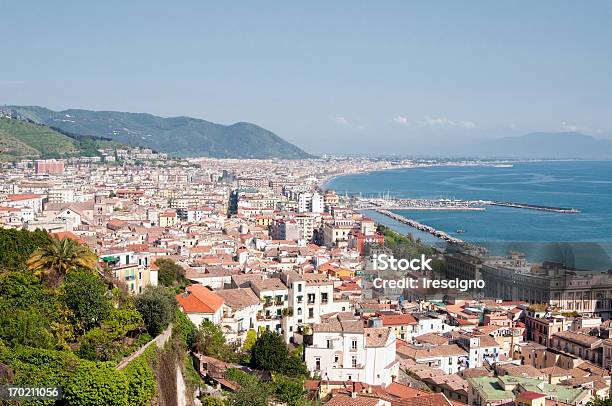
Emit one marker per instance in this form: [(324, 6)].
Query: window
[(299, 287), (329, 343), (311, 312), (323, 297), (336, 359), (318, 364), (354, 361), (354, 345)]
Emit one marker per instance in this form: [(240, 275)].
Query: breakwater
[(535, 207), (420, 226)]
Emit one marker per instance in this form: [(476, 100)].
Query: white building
[(30, 200), (239, 313), (310, 296), (310, 203), (343, 349), (61, 195)]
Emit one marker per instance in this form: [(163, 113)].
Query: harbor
[(391, 203)]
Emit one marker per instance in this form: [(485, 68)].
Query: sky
[(407, 77)]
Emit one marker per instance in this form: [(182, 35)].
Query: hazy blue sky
[(394, 76)]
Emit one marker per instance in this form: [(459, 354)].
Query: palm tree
[(58, 257)]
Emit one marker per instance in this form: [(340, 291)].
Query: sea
[(582, 240)]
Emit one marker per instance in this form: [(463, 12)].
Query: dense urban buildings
[(265, 248)]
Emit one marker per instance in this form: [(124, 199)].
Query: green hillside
[(177, 136), (21, 139)]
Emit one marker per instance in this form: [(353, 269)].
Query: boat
[(460, 231)]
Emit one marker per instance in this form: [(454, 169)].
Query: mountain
[(177, 136), (21, 139), (564, 145)]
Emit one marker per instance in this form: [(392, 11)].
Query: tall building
[(310, 203), (49, 166)]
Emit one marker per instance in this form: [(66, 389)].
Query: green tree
[(169, 272), (85, 294), (141, 382), (269, 352), (209, 339), (24, 327), (186, 328), (249, 340), (23, 290), (108, 342), (17, 245), (252, 392), (58, 257), (94, 384), (157, 306), (288, 390), (598, 401), (294, 366), (211, 401)]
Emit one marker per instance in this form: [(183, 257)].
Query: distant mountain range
[(564, 145), (177, 136)]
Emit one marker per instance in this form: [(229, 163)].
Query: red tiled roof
[(531, 395), (26, 196), (397, 319), (199, 299), (60, 235)]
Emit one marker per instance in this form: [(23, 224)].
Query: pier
[(534, 207), (420, 226), (390, 203)]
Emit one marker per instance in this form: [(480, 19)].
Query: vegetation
[(209, 339), (56, 258), (85, 296), (17, 245), (252, 391), (538, 307), (25, 139), (598, 401), (170, 274), (407, 247), (157, 306), (22, 139), (270, 353), (70, 333), (181, 136)]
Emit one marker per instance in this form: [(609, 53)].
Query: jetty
[(534, 207), (420, 226)]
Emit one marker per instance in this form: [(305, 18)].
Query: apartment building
[(344, 350), (310, 203), (584, 346)]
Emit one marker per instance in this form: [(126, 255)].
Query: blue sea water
[(584, 185)]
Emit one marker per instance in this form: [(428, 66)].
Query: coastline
[(519, 224)]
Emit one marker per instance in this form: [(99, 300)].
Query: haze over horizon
[(328, 77)]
